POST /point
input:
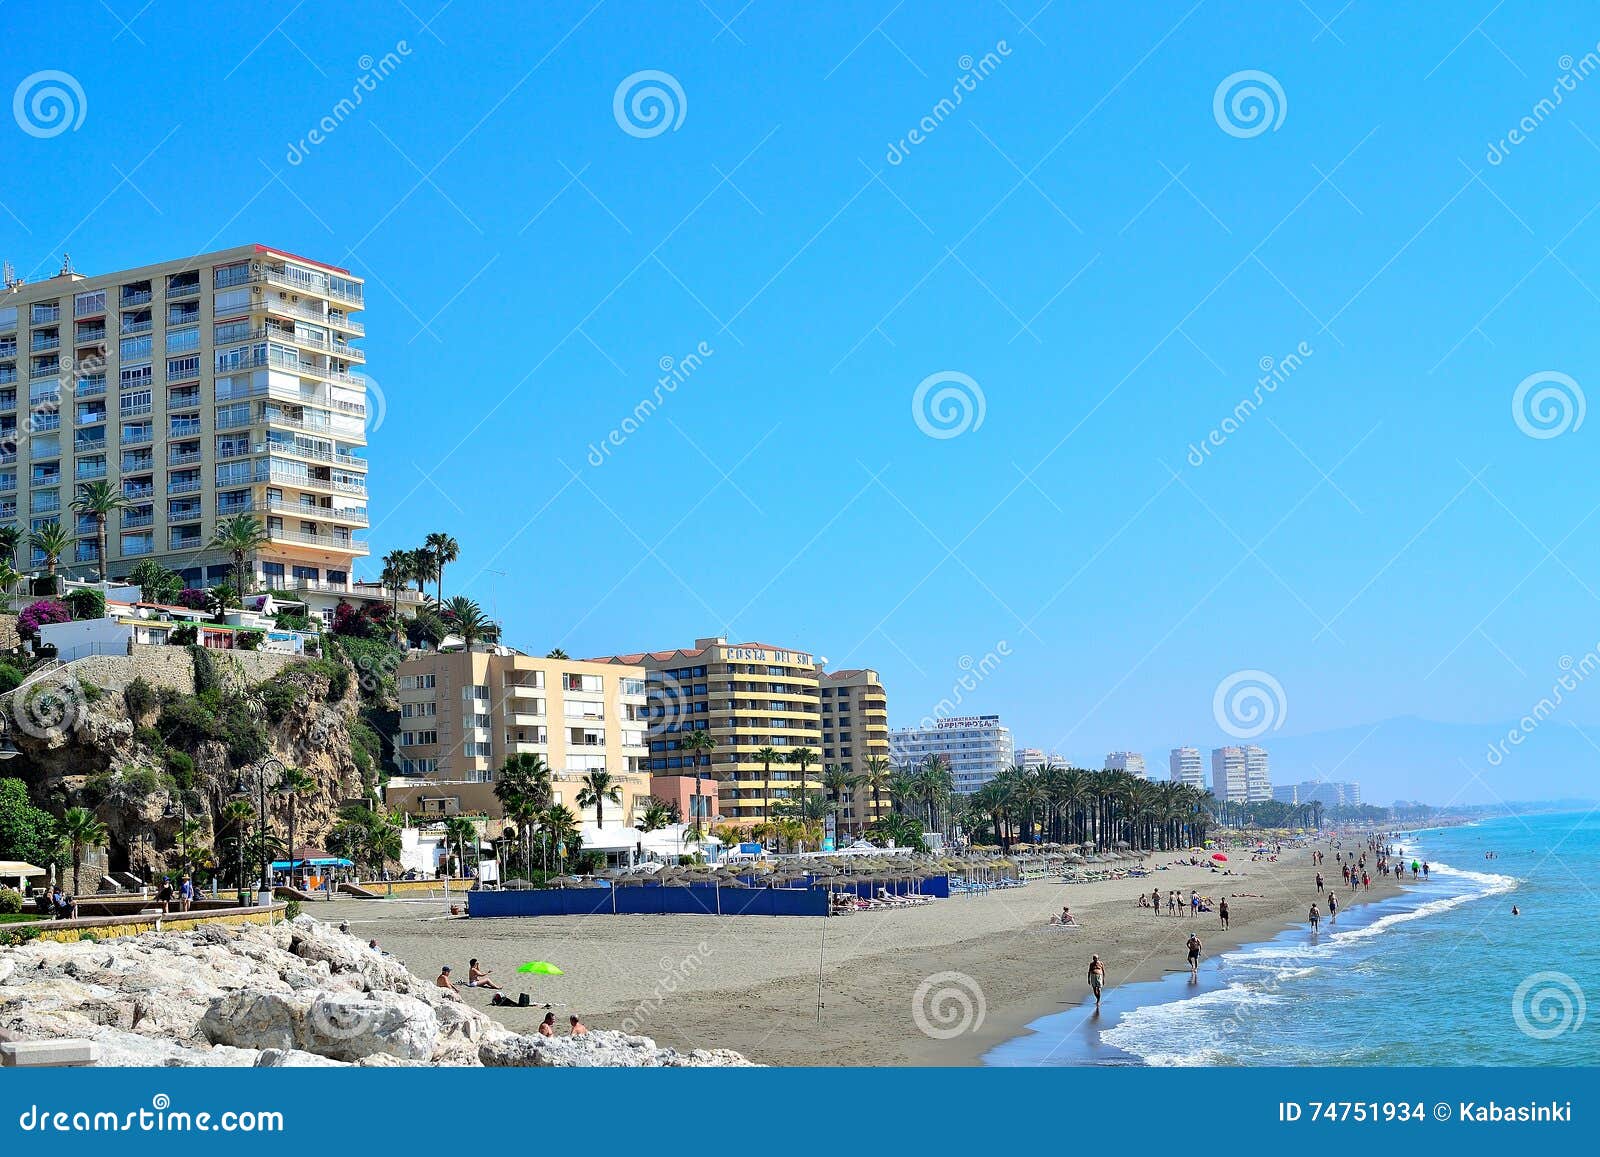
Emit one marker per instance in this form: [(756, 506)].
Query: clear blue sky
[(1377, 535)]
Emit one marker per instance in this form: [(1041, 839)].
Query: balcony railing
[(327, 541), (184, 458), (302, 280), (183, 430), (44, 314), (312, 513), (187, 289), (184, 486), (88, 445), (137, 410), (85, 473), (295, 450), (44, 343), (90, 388), (135, 493), (134, 521), (135, 297), (287, 308), (45, 371)]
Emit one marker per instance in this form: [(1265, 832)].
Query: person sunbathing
[(478, 977)]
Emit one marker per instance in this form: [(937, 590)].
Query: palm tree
[(384, 842), (51, 540), (766, 757), (803, 757), (522, 785), (239, 537), (99, 498), (468, 620), (875, 777), (598, 786), (295, 783), (396, 573), (902, 785), (423, 567), (80, 830), (461, 831), (836, 781), (934, 785), (10, 539), (560, 826), (557, 653), (445, 551), (698, 742), (655, 816), (233, 823), (9, 578)]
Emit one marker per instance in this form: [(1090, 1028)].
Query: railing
[(194, 542), (135, 328), (135, 297), (88, 445), (134, 521), (295, 396), (50, 371), (183, 459), (89, 473), (184, 486), (135, 493), (333, 541), (138, 547), (183, 401), (89, 308), (305, 482), (45, 506), (312, 513), (137, 410), (295, 450), (290, 309), (90, 388), (187, 289), (183, 430), (43, 343), (303, 280), (137, 437)]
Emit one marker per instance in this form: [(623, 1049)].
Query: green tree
[(239, 537), (10, 539), (875, 771), (657, 814), (598, 786), (99, 499), (522, 785), (233, 827), (295, 783), (698, 743), (424, 567), (837, 781), (801, 757), (446, 550), (51, 540), (466, 618), (156, 583), (27, 833), (462, 832), (395, 575), (557, 653), (80, 831), (560, 828)]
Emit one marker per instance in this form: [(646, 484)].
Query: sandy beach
[(752, 983)]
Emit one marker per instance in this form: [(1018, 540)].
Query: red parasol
[(1219, 856)]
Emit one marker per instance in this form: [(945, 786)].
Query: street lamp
[(256, 779)]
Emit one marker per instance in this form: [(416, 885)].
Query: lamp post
[(256, 780)]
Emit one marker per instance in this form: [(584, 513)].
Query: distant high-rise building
[(1186, 767), (1228, 781), (1030, 758), (1326, 792), (1257, 775), (977, 748), (1131, 762)]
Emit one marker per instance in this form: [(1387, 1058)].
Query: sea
[(1442, 974)]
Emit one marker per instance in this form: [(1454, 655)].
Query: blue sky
[(1080, 238)]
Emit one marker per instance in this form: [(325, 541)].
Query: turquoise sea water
[(1442, 975)]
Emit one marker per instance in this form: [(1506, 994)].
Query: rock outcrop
[(300, 993)]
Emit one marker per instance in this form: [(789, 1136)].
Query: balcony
[(44, 343), (91, 306), (88, 473), (184, 486), (303, 281), (134, 493), (137, 438), (137, 410), (90, 388), (44, 314), (314, 513), (316, 453), (132, 328), (89, 445), (184, 429), (285, 308), (323, 541), (45, 505), (48, 370), (177, 289), (132, 521), (90, 336), (305, 482), (132, 298), (185, 542), (138, 547), (185, 458)]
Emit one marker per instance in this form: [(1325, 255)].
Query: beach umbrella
[(541, 968), (1219, 856)]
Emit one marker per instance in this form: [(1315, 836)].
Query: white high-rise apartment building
[(1257, 776), (1029, 758), (1228, 781), (199, 388), (1186, 767), (1131, 762), (977, 747)]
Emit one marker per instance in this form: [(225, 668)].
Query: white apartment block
[(1186, 767), (1131, 762), (1257, 775), (1228, 775), (200, 388), (977, 748)]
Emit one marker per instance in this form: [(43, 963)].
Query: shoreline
[(753, 984)]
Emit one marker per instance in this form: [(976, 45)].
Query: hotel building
[(462, 714), (747, 696), (977, 748), (1185, 766), (235, 392), (1241, 774), (1327, 793), (1032, 758), (1131, 762), (855, 728)]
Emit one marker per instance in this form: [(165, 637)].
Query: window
[(84, 304), (418, 738), (233, 473), (135, 376), (572, 682), (136, 347), (179, 369), (475, 691), (227, 275), (179, 340), (476, 750), (633, 686), (416, 682), (418, 710)]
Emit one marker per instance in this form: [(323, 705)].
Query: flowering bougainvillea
[(36, 615)]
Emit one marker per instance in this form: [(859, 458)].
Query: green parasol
[(541, 968)]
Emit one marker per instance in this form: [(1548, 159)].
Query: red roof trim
[(297, 257)]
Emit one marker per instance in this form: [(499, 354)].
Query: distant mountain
[(1442, 763)]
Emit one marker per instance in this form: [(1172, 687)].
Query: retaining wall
[(113, 927)]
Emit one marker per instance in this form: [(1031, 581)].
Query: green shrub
[(245, 735), (291, 910), (10, 678), (140, 697), (187, 723), (86, 604), (150, 737), (280, 697), (182, 768), (249, 640), (10, 902), (183, 636), (206, 676)]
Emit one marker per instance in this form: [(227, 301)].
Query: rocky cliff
[(298, 993), (175, 736)]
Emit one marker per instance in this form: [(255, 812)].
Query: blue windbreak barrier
[(699, 899)]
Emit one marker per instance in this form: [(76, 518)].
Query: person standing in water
[(1316, 919), (1194, 954), (1222, 912), (1097, 978)]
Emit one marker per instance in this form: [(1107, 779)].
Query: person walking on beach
[(1316, 919), (1319, 883), (1172, 903), (1194, 954), (1097, 978), (1222, 912), (1333, 907), (1155, 900)]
